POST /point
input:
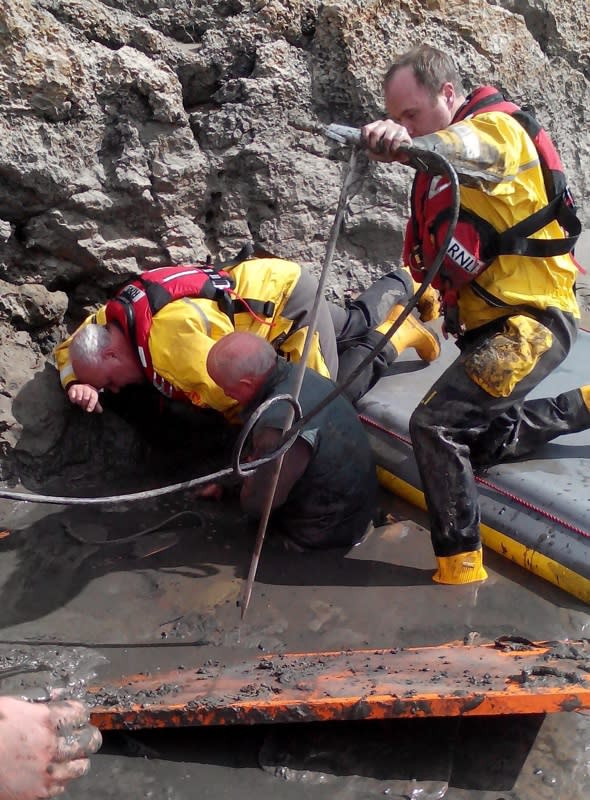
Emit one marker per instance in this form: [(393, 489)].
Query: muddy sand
[(75, 610)]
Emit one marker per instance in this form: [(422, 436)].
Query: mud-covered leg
[(323, 355), (392, 289), (351, 358), (370, 315), (453, 424), (535, 423)]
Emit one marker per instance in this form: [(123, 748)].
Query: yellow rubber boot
[(462, 568), (411, 334), (585, 392)]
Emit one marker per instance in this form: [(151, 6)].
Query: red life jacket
[(476, 243), (135, 304)]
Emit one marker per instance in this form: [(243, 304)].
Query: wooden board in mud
[(534, 512)]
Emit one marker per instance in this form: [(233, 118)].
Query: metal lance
[(345, 192)]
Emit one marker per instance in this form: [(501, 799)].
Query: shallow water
[(521, 758)]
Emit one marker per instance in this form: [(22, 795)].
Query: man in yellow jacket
[(161, 326), (507, 284)]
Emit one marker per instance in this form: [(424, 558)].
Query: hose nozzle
[(344, 134)]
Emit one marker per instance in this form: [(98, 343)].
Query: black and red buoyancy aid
[(136, 303), (476, 242)]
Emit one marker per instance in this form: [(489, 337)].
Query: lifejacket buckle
[(416, 257)]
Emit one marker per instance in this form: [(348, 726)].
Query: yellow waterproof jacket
[(498, 139), (184, 330)]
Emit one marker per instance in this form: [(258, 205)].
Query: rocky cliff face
[(138, 133)]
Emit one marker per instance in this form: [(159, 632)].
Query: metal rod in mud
[(347, 183)]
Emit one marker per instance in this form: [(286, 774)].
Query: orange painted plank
[(451, 680)]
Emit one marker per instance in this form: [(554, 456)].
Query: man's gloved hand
[(429, 305)]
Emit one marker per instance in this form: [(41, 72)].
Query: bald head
[(240, 364)]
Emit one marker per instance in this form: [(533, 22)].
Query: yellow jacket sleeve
[(181, 336), (486, 150)]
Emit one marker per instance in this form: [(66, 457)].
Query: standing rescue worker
[(507, 284)]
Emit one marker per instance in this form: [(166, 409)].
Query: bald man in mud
[(326, 490)]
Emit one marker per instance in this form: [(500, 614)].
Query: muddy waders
[(476, 415)]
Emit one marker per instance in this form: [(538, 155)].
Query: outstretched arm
[(384, 138), (85, 396), (80, 394)]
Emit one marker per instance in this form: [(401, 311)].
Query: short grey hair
[(89, 344)]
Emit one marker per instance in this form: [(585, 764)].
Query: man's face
[(112, 373), (243, 391), (410, 104)]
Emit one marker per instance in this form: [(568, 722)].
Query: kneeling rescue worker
[(160, 327), (507, 284)]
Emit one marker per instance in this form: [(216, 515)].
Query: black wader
[(458, 426)]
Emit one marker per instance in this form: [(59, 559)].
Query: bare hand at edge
[(384, 138), (43, 746)]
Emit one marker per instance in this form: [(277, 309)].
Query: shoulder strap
[(481, 104), (416, 213), (560, 207), (517, 241)]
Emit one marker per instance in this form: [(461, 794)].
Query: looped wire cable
[(300, 367), (242, 471), (446, 168)]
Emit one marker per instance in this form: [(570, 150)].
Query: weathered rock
[(20, 360), (137, 133), (31, 305)]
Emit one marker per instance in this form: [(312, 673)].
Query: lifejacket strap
[(515, 240), (262, 308), (129, 317)]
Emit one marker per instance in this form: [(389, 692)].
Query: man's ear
[(247, 383), (111, 353), (448, 92)]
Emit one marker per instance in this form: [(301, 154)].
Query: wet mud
[(76, 611)]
